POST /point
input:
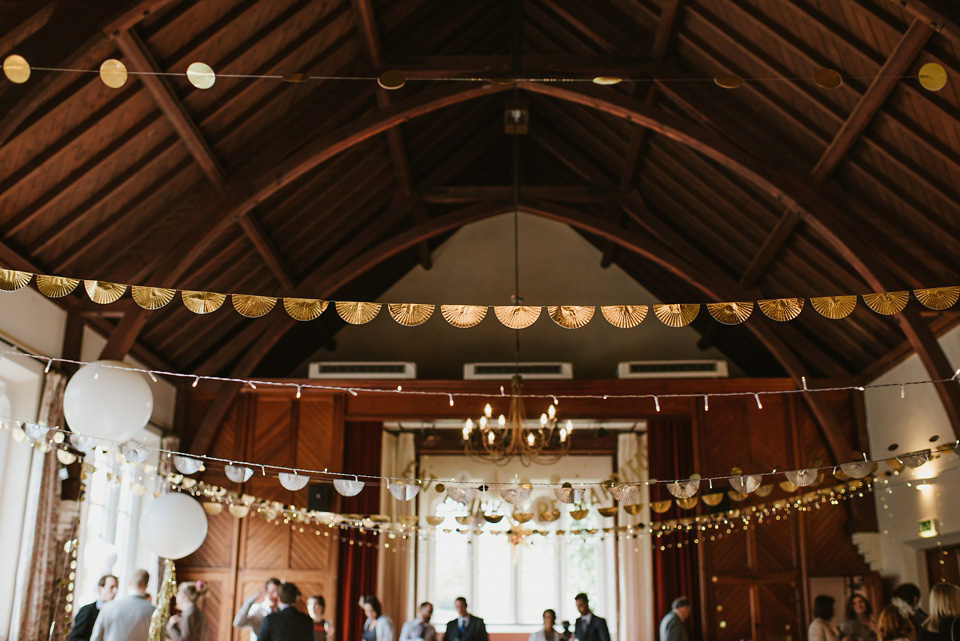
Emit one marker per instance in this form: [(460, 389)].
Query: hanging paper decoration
[(516, 496), (568, 494), (660, 506), (238, 511), (915, 460), (462, 494), (745, 483), (764, 490), (134, 453), (187, 465), (293, 482), (346, 487), (625, 493), (238, 473), (802, 478), (212, 508), (34, 431), (403, 491), (857, 469), (82, 443), (684, 489), (712, 499)]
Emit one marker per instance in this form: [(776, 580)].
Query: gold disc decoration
[(607, 80), (11, 280), (737, 496), (730, 313), (661, 506), (16, 69), (201, 75), (764, 490), (493, 518), (392, 80), (607, 511), (712, 499), (113, 73), (834, 307), (296, 77), (677, 315), (728, 81), (788, 487), (688, 504), (522, 517), (152, 297), (410, 314), (624, 316), (828, 79), (435, 520), (781, 309), (932, 76), (202, 302), (934, 298), (102, 292), (358, 313), (56, 286), (887, 303), (517, 316), (304, 309), (571, 316), (579, 515), (633, 509), (252, 306), (463, 316)]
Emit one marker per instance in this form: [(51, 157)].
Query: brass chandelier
[(512, 436)]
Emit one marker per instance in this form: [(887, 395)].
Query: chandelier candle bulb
[(551, 411), (487, 411), (502, 420), (543, 420)]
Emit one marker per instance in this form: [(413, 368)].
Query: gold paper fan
[(102, 292), (887, 303), (730, 313), (571, 316), (607, 511), (661, 506), (358, 313), (934, 298), (834, 307), (463, 316), (410, 314), (688, 504), (781, 309), (152, 297), (677, 315), (737, 496), (202, 302), (633, 508), (56, 286), (764, 490), (252, 306), (713, 499), (304, 309), (11, 280), (435, 520), (624, 316), (517, 316)]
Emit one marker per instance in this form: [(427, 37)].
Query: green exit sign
[(927, 528)]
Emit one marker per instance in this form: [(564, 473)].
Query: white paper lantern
[(293, 482), (238, 473), (186, 464), (173, 526), (106, 402)]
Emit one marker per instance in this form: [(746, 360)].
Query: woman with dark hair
[(822, 628), (322, 628), (377, 627), (546, 633), (893, 626), (858, 623)]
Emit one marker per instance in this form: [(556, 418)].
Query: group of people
[(904, 619)]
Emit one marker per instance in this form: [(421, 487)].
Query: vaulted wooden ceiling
[(335, 188)]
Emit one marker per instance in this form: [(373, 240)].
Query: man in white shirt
[(126, 619), (419, 629), (256, 608)]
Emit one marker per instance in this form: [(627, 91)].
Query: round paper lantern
[(173, 526), (106, 402)]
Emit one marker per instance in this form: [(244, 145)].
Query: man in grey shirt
[(419, 629), (672, 626), (126, 619)]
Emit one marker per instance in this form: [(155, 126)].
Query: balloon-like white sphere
[(108, 403), (173, 525)]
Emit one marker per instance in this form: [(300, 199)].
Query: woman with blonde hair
[(893, 626), (943, 624), (189, 624)]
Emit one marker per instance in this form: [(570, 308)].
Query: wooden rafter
[(267, 249), (942, 15), (136, 52), (454, 194)]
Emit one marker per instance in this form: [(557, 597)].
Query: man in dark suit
[(465, 627), (589, 626), (87, 615), (672, 626), (287, 623)]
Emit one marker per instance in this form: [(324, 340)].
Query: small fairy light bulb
[(399, 388), (196, 381), (656, 403), (96, 374), (706, 403), (502, 420), (551, 411), (451, 399), (153, 377), (555, 401), (252, 384), (487, 411), (299, 392), (759, 404), (543, 419), (46, 370)]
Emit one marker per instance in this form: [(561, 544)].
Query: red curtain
[(357, 568), (675, 570)]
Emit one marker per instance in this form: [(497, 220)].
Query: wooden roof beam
[(267, 249), (941, 15), (455, 194), (135, 50), (898, 63)]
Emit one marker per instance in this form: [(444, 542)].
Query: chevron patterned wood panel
[(218, 548)]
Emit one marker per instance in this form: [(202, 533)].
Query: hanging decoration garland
[(465, 316)]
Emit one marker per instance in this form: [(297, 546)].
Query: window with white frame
[(509, 580)]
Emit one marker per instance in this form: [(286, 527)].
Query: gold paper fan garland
[(571, 316), (152, 297), (56, 286), (252, 306), (463, 316), (102, 292), (517, 316), (11, 280), (357, 313), (781, 309), (624, 316), (939, 298), (202, 302), (677, 315), (834, 307), (304, 309), (410, 314), (730, 313), (887, 303)]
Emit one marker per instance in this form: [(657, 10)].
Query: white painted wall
[(910, 422)]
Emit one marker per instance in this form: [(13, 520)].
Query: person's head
[(892, 625), (683, 607), (107, 587), (460, 605), (583, 603), (272, 588), (908, 593), (858, 607), (426, 611), (139, 580), (288, 593), (944, 604), (316, 605), (823, 607), (371, 606), (549, 619), (190, 593)]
